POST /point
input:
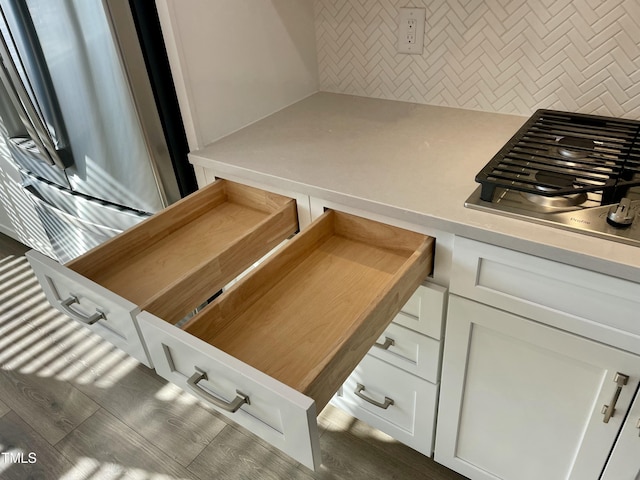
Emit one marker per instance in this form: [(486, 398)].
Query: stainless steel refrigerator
[(90, 116)]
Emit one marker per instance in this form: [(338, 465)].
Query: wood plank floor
[(74, 407)]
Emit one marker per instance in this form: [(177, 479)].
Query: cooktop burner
[(551, 181), (575, 147), (557, 202), (568, 170)]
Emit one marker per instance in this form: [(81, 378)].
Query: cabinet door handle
[(65, 305), (638, 427), (387, 401), (231, 406), (608, 410), (388, 342)]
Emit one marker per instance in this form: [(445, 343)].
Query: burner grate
[(560, 153)]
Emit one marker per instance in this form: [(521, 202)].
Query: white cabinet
[(523, 401), (584, 302), (173, 261), (274, 347), (404, 365), (395, 387), (624, 463), (393, 401), (534, 357)]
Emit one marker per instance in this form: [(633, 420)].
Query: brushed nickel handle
[(638, 426), (388, 342), (65, 305), (387, 401), (231, 406), (608, 410)]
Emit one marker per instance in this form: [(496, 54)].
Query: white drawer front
[(86, 301), (411, 417), (411, 351), (276, 413), (424, 310), (553, 293)]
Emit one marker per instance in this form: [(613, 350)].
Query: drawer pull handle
[(66, 307), (388, 342), (608, 410), (638, 426), (387, 401), (231, 406)]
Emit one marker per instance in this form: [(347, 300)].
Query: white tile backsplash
[(510, 56)]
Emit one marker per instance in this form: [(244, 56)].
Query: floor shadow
[(86, 410)]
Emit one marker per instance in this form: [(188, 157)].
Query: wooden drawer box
[(274, 348), (392, 401), (171, 262)]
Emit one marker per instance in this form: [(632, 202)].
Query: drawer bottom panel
[(396, 402)]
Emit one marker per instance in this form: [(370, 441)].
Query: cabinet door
[(624, 463), (520, 400)]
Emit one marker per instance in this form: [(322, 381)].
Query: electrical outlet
[(411, 30)]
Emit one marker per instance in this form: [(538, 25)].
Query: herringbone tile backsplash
[(510, 56)]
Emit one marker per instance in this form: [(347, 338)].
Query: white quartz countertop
[(413, 162)]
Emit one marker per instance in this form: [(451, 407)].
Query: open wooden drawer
[(273, 349), (171, 262)]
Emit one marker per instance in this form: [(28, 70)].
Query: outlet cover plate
[(411, 30)]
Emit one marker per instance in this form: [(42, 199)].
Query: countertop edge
[(581, 259)]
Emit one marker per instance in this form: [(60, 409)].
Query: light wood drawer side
[(310, 313), (175, 259), (298, 324)]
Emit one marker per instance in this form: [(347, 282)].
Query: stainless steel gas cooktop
[(568, 170)]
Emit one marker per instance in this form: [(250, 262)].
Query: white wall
[(237, 61)]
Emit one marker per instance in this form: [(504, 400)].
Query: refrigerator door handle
[(26, 185), (68, 234), (61, 213), (72, 205), (48, 146), (22, 113)]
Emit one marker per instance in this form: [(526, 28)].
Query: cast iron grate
[(560, 153)]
